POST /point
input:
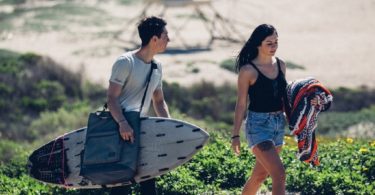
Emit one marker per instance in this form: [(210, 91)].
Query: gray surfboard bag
[(107, 158)]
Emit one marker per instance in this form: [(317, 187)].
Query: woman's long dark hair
[(250, 50)]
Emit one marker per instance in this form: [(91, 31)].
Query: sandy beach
[(332, 40)]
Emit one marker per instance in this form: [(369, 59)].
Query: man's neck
[(145, 54)]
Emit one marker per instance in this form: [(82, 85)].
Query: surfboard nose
[(29, 166)]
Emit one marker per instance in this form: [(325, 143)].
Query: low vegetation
[(12, 2), (347, 167), (40, 100), (31, 84), (58, 17)]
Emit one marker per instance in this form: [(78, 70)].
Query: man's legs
[(148, 187), (121, 190)]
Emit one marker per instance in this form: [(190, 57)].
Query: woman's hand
[(315, 102), (236, 144)]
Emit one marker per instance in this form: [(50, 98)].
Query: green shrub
[(183, 181), (229, 64), (335, 123), (292, 65), (31, 84), (11, 150), (65, 119), (126, 2), (22, 185), (347, 167), (203, 101), (8, 62), (217, 165), (12, 2), (342, 171), (345, 99), (94, 92)]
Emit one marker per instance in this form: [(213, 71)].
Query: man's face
[(162, 42)]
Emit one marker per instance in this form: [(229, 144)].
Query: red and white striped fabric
[(302, 116)]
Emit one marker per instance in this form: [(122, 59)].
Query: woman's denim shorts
[(268, 126)]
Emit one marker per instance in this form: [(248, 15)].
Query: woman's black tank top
[(266, 94)]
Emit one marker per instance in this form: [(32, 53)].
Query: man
[(128, 83)]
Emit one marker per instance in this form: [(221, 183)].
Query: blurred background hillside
[(332, 41), (56, 56)]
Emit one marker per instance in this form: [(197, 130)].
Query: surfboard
[(164, 145)]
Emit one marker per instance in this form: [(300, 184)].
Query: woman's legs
[(268, 163), (257, 177)]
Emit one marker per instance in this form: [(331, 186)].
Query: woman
[(262, 78)]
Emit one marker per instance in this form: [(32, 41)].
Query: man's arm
[(160, 106), (114, 107)]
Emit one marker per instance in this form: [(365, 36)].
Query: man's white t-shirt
[(131, 73)]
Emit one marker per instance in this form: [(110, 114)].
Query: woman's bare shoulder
[(247, 69), (249, 72)]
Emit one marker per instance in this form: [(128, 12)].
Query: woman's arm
[(245, 79)]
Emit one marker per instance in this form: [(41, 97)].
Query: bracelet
[(235, 136), (123, 120)]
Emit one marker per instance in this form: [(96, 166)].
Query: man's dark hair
[(149, 27)]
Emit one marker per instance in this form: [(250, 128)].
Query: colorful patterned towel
[(302, 116)]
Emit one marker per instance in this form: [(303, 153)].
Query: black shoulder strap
[(278, 64), (256, 68), (153, 66)]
